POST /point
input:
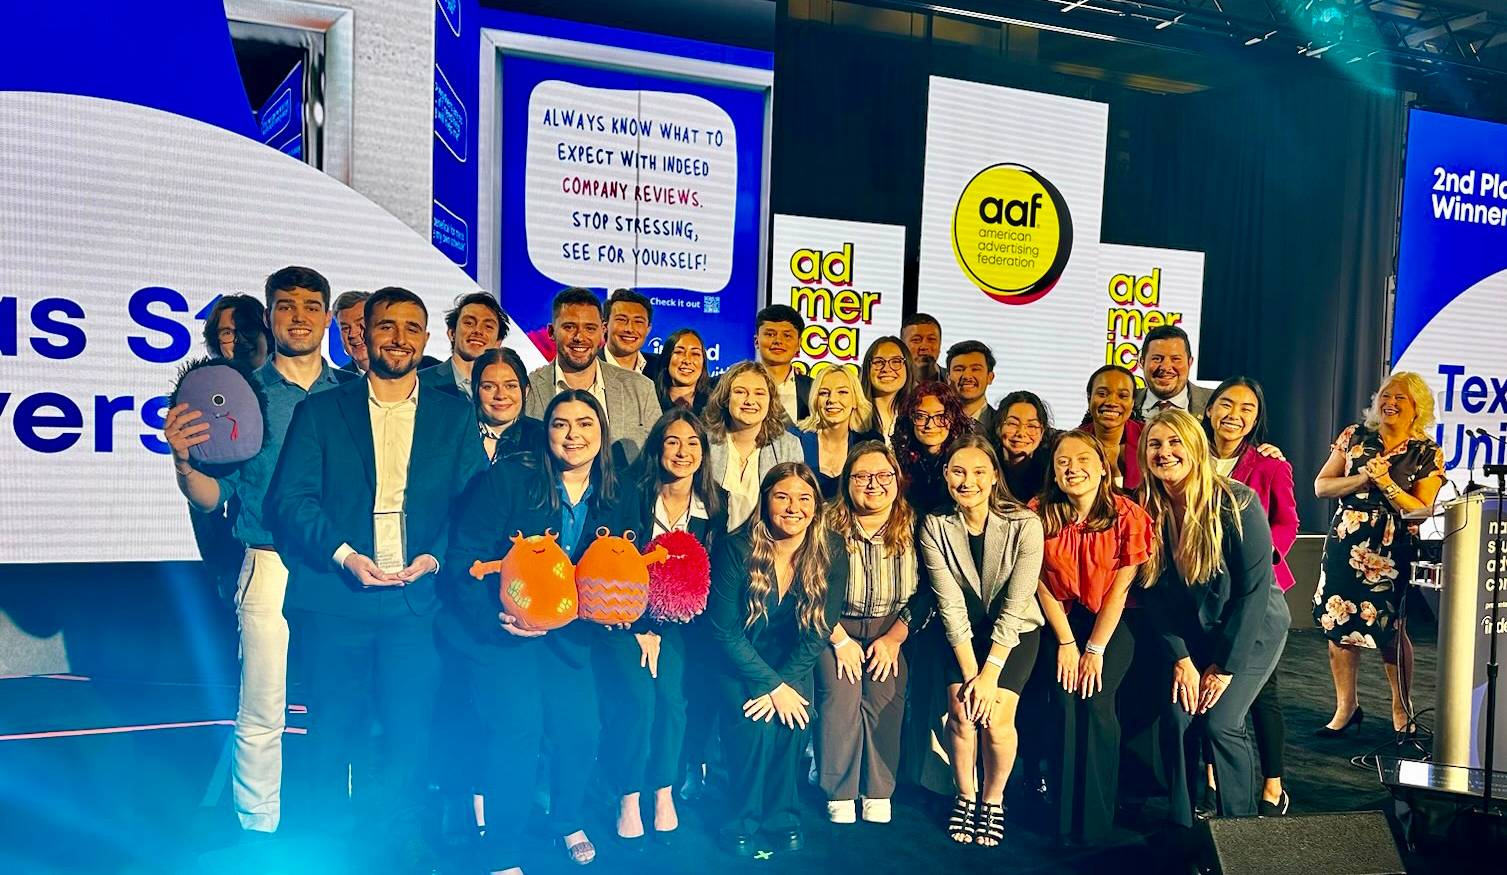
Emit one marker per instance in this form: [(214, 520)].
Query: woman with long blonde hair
[(1379, 469), (838, 422), (1212, 598), (777, 592)]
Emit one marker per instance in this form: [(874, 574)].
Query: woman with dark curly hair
[(927, 423), (1022, 434)]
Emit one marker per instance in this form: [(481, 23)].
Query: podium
[(1473, 579)]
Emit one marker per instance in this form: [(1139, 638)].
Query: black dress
[(763, 758), (1370, 548)]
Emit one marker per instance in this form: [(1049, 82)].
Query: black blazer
[(500, 503), (653, 362), (1238, 619), (324, 487), (756, 660), (707, 531), (525, 435)]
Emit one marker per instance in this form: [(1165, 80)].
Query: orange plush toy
[(538, 582), (612, 579)]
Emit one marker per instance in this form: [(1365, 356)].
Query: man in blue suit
[(360, 507)]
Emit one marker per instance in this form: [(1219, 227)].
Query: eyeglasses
[(864, 478), (921, 419), (894, 364), (1027, 427)]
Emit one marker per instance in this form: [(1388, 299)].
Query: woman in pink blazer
[(1235, 421)]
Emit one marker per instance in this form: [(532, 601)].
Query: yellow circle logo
[(1011, 233)]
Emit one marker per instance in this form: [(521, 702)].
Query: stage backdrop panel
[(119, 225), (1142, 288), (845, 279), (1010, 232), (622, 160), (1452, 282)]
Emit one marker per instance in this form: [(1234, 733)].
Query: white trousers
[(257, 766)]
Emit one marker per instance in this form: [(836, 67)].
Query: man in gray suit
[(1166, 362), (577, 326)]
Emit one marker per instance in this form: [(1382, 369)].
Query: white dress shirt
[(597, 388), (786, 391), (1149, 404), (741, 480), (639, 362), (663, 523), (392, 444)]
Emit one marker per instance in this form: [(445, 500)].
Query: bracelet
[(1095, 649), (183, 473), (994, 661), (839, 645), (1391, 491), (1067, 642)]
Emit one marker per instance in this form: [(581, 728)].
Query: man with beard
[(970, 370), (630, 318), (576, 326), (475, 325), (297, 304), (350, 314), (923, 335), (1166, 362), (361, 502)]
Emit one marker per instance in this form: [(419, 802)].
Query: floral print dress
[(1369, 553)]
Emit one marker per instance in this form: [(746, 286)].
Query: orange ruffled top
[(1079, 565)]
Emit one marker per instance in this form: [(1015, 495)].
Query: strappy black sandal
[(960, 824), (991, 825)]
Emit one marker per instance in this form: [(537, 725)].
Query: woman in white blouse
[(749, 434)]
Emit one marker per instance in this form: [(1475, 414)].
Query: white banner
[(845, 279), (1010, 232), (1144, 288), (119, 224)]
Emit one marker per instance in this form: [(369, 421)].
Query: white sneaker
[(875, 810), (843, 811)]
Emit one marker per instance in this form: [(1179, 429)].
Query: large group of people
[(907, 583)]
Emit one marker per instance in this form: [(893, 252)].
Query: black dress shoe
[(739, 844), (1355, 719), (1208, 804), (1274, 809), (787, 839)]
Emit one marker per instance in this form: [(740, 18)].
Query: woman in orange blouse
[(1096, 538)]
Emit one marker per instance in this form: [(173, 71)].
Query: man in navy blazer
[(360, 508)]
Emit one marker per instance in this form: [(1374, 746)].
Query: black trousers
[(1271, 733), (522, 693), (378, 669), (1222, 731), (763, 766), (1087, 756), (646, 716), (701, 700)]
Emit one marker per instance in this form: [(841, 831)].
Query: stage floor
[(109, 776)]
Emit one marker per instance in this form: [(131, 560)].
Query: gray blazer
[(1012, 561), (1198, 398), (632, 405), (786, 448)]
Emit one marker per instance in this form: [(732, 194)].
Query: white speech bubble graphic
[(630, 188)]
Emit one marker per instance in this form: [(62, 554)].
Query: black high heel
[(961, 825), (1355, 719)]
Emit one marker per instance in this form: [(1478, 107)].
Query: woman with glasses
[(861, 677), (1023, 429), (931, 420), (888, 377), (839, 414)]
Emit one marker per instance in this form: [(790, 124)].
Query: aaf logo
[(1012, 233)]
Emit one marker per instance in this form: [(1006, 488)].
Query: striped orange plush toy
[(612, 579)]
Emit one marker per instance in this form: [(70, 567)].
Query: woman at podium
[(1380, 469)]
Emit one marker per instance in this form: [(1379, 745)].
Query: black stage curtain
[(1288, 185), (1290, 188)]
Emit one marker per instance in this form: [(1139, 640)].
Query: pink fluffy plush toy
[(678, 586)]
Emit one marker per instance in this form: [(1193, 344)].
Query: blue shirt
[(572, 518), (250, 481)]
